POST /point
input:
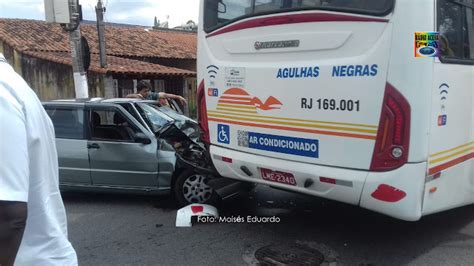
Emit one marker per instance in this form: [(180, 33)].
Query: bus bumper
[(396, 193)]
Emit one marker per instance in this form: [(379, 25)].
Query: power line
[(105, 9)]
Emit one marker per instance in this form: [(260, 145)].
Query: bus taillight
[(393, 136), (202, 112)]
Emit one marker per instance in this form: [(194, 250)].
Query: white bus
[(327, 98)]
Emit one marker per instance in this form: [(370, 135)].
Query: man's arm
[(12, 225), (139, 96), (14, 175), (174, 96)]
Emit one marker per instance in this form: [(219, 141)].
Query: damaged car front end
[(130, 145), (195, 180)]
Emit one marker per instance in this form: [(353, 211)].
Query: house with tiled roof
[(41, 53)]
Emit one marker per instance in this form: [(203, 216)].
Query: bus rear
[(295, 94)]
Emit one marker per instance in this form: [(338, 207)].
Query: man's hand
[(182, 100), (12, 225), (175, 97)]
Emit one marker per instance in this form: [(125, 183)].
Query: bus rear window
[(218, 13)]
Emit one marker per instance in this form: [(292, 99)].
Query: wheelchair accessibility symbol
[(223, 134)]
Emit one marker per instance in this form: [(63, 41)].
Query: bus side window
[(211, 7), (456, 28), (470, 33)]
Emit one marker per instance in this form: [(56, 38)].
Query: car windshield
[(157, 119), (188, 126), (172, 113)]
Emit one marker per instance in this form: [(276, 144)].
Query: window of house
[(68, 122), (159, 85), (456, 28)]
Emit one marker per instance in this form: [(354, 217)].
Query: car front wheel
[(191, 187)]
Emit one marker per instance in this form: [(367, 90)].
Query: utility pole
[(68, 14), (80, 76), (99, 11)]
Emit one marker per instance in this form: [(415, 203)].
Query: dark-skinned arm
[(14, 176), (12, 225)]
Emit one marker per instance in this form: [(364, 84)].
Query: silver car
[(132, 145)]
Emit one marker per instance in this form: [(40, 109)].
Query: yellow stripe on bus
[(453, 149), (236, 106), (297, 120), (237, 111), (451, 156), (236, 118)]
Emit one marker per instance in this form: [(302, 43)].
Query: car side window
[(130, 110), (456, 28), (68, 122), (111, 125)]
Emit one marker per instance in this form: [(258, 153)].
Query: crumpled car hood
[(185, 129)]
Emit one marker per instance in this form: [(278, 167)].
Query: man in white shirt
[(29, 186)]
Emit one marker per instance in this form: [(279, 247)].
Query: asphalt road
[(111, 229)]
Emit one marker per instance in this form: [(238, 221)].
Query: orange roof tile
[(115, 65), (37, 35)]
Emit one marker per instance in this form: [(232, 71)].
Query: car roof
[(96, 100), (73, 101), (120, 100)]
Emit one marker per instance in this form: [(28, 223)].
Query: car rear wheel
[(191, 187)]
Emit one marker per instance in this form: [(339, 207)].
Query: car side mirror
[(142, 138)]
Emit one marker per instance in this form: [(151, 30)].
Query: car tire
[(191, 187)]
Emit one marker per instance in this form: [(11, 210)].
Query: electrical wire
[(105, 10)]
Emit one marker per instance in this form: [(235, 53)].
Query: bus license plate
[(278, 177)]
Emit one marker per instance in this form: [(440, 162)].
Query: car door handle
[(93, 146)]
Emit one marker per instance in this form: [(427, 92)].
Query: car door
[(116, 160), (71, 144)]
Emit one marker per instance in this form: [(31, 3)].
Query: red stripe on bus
[(292, 19), (327, 180), (304, 130), (452, 163)]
